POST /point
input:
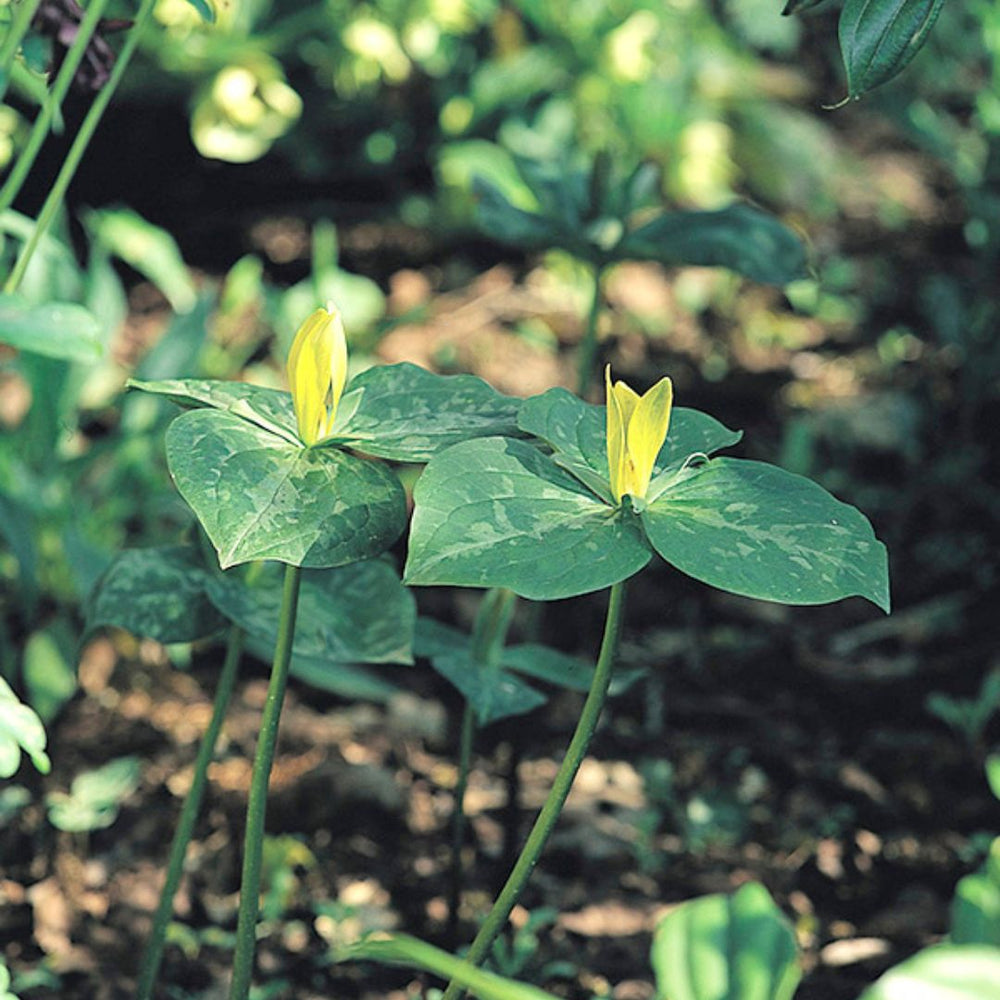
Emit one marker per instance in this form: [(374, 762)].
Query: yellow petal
[(317, 371), (647, 430), (616, 437)]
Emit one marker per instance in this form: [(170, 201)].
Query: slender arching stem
[(588, 345), (189, 813), (43, 122), (253, 844), (575, 752), (17, 28), (86, 131)]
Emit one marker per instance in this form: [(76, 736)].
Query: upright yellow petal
[(317, 372), (647, 430), (616, 438)]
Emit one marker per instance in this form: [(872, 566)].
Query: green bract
[(260, 494), (502, 513)]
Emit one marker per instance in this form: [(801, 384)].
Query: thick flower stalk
[(317, 373), (637, 427)]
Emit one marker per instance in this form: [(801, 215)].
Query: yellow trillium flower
[(637, 428), (317, 372)]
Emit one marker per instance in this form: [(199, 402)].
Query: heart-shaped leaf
[(739, 237), (258, 496), (879, 37), (55, 329), (156, 592), (359, 613), (493, 694), (756, 530), (496, 513)]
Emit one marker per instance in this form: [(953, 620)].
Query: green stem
[(43, 121), (488, 637), (458, 820), (588, 345), (87, 128), (17, 28), (189, 813), (575, 752), (253, 844)]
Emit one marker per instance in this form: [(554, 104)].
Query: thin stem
[(17, 28), (458, 820), (253, 844), (43, 121), (189, 813), (79, 147), (488, 637), (588, 345), (575, 752)]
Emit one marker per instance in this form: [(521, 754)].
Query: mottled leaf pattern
[(260, 497), (497, 513), (757, 530), (408, 414), (942, 972), (576, 431), (157, 593), (56, 329), (359, 613), (493, 694)]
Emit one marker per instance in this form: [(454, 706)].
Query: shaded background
[(834, 754)]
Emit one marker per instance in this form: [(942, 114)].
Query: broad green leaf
[(49, 669), (494, 512), (260, 497), (493, 694), (17, 530), (756, 530), (739, 237), (726, 947), (20, 729), (157, 592), (505, 222), (406, 413), (269, 409), (359, 613), (942, 972), (993, 773), (431, 638), (401, 949), (62, 330), (975, 909), (151, 250), (577, 433), (879, 37)]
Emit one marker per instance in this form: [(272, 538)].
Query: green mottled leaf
[(270, 409), (561, 669), (260, 497), (20, 729), (577, 433), (726, 947), (95, 796), (975, 909), (359, 613), (739, 237), (879, 37), (942, 972), (49, 668), (496, 513), (507, 223), (756, 530), (408, 414), (431, 638), (156, 592), (493, 694), (62, 330)]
